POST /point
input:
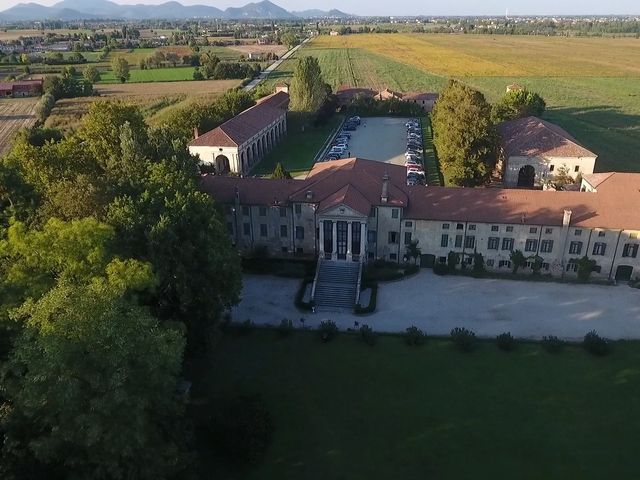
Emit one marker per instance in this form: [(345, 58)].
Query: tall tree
[(464, 135), (120, 68), (308, 91), (518, 104), (91, 74), (280, 173), (89, 388)]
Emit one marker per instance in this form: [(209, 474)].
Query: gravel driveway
[(488, 307)]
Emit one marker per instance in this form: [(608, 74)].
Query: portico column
[(349, 238), (334, 250), (321, 223), (363, 239)]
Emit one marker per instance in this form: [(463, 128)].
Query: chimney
[(566, 220), (384, 198), (196, 134), (309, 195)]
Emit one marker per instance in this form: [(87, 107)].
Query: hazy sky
[(421, 7)]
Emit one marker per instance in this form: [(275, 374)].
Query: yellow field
[(500, 55), (6, 35), (15, 114)]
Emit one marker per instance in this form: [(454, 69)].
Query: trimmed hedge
[(360, 310), (382, 271)]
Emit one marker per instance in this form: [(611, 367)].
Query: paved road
[(488, 307), (267, 71)]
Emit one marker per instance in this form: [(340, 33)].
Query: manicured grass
[(431, 163), (349, 411), (177, 74), (590, 84), (298, 150)]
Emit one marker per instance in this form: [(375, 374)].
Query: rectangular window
[(577, 169), (263, 211), (601, 234), (548, 231), (572, 267), (630, 250), (460, 226), (283, 211), (445, 226), (578, 232), (494, 243), (245, 211), (546, 266), (495, 228), (458, 241), (552, 168), (284, 249), (504, 264), (444, 240), (246, 229), (599, 248), (470, 242), (372, 236), (283, 230), (510, 229), (442, 259), (393, 237), (575, 248), (393, 256), (408, 224), (472, 227), (633, 235), (298, 208), (299, 233), (531, 245), (533, 230), (546, 246), (490, 263), (394, 213), (407, 238), (263, 229), (468, 260), (507, 244)]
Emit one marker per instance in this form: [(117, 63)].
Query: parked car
[(355, 119)]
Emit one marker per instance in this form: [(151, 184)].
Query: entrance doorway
[(527, 177), (623, 273), (222, 164), (341, 232)]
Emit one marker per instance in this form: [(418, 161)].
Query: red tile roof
[(357, 184), (246, 124), (533, 137), (421, 96)]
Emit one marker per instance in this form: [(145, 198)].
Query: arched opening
[(222, 164), (527, 177), (255, 152), (623, 273)]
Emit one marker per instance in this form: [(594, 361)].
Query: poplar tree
[(308, 90)]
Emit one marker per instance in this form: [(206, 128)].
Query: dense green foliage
[(308, 90), (120, 68), (111, 261), (280, 173), (518, 103), (464, 136)]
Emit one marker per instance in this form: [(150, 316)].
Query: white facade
[(545, 168)]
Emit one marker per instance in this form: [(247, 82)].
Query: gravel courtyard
[(488, 307), (380, 138)]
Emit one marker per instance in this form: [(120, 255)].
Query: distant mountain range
[(105, 9)]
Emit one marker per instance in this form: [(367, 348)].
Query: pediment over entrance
[(343, 211)]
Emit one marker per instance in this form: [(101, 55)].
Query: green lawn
[(603, 113), (299, 148), (431, 163), (177, 74), (345, 410)]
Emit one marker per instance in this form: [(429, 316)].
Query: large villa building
[(356, 210)]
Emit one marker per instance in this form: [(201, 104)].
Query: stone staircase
[(336, 285)]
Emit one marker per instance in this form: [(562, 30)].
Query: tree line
[(113, 266)]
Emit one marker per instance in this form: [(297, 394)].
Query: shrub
[(243, 429), (552, 344), (328, 330), (463, 339), (478, 265), (245, 327), (595, 344), (453, 258), (440, 268), (411, 269), (368, 335), (506, 342), (285, 328), (414, 336)]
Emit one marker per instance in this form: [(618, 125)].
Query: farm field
[(14, 115), (591, 85), (169, 74), (351, 411), (155, 99)]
